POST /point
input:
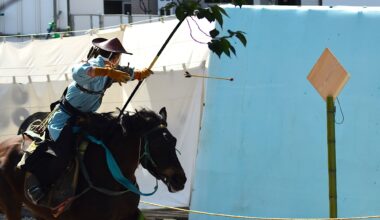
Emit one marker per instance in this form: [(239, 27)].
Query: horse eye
[(167, 136)]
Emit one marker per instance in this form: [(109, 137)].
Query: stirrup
[(32, 188), (35, 194)]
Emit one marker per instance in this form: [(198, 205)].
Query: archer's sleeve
[(80, 73)]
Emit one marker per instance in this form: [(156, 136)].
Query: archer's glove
[(142, 74), (117, 75)]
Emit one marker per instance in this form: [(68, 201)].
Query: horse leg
[(10, 205), (138, 215), (13, 210)]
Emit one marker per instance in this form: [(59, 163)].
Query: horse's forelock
[(149, 117)]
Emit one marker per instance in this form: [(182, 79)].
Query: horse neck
[(125, 151), (12, 144)]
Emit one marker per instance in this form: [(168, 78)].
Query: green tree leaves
[(218, 44), (222, 45)]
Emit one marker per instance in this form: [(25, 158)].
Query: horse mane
[(140, 121), (97, 123)]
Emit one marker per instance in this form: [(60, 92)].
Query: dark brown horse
[(134, 139)]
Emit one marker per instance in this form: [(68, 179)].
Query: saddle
[(62, 192)]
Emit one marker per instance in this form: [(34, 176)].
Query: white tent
[(168, 87)]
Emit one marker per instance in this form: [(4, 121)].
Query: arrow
[(188, 75)]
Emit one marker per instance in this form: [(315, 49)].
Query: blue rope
[(114, 168)]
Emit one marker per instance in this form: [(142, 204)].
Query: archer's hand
[(117, 75), (142, 74)]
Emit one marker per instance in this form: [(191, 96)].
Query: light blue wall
[(263, 148)]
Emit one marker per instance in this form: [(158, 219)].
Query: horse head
[(158, 148)]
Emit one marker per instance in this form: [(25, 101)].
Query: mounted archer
[(90, 81)]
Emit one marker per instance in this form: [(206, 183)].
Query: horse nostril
[(184, 179), (173, 141), (180, 178)]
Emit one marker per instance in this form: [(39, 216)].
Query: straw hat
[(112, 45)]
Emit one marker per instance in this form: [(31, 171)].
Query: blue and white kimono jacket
[(82, 101)]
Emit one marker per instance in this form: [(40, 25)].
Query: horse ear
[(163, 113), (125, 123)]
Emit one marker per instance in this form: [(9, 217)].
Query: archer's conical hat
[(112, 45)]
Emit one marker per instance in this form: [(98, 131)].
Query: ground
[(162, 214)]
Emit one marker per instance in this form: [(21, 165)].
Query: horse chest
[(96, 206)]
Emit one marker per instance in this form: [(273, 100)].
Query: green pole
[(331, 156)]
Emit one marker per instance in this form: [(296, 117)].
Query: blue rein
[(115, 169)]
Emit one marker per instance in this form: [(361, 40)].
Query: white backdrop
[(182, 97), (26, 67), (41, 58), (351, 2)]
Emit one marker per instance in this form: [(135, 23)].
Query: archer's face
[(116, 59)]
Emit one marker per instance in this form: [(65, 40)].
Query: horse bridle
[(146, 157), (125, 182)]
